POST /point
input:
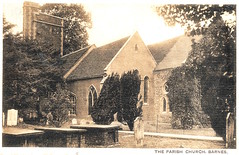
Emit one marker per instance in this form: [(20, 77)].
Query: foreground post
[(139, 131)]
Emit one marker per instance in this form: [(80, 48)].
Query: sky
[(111, 20)]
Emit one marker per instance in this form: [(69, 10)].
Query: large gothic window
[(146, 89), (92, 98)]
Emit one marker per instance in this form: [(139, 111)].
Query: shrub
[(108, 102), (118, 95), (130, 89)]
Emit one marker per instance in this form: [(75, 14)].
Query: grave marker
[(3, 119), (139, 131), (12, 117), (74, 121)]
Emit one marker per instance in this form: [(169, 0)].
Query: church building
[(86, 69)]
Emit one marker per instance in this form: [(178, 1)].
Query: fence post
[(230, 123), (227, 129)]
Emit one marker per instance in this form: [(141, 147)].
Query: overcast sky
[(111, 21)]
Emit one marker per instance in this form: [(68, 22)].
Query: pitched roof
[(70, 59), (93, 64), (178, 53), (161, 49)]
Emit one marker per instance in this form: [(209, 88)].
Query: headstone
[(139, 131), (20, 120), (3, 119), (12, 117), (115, 117), (74, 121)]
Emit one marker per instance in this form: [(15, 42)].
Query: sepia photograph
[(118, 75)]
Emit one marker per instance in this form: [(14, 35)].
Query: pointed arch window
[(92, 98), (164, 104), (146, 89), (73, 104)]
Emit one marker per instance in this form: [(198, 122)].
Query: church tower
[(42, 27)]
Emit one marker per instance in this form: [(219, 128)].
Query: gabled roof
[(178, 53), (69, 60), (92, 66), (161, 49)]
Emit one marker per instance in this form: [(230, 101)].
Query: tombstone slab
[(16, 137), (61, 137), (99, 134)]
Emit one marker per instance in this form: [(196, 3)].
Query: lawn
[(127, 141)]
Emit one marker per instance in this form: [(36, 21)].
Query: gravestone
[(74, 121), (12, 117), (3, 119), (139, 131)]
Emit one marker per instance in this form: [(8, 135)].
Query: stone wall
[(160, 79)]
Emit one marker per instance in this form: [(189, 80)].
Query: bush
[(130, 89), (108, 102), (185, 99), (118, 96), (59, 105)]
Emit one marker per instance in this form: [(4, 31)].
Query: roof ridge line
[(113, 42), (79, 61), (166, 40), (77, 51), (129, 38)]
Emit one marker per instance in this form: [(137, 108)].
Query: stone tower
[(29, 9), (41, 26)]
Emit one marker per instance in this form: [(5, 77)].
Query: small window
[(146, 89), (136, 47), (164, 105), (165, 88)]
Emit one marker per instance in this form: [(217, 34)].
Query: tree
[(119, 95), (195, 18), (58, 103), (10, 66), (31, 72), (212, 60), (7, 27), (76, 23), (130, 89), (185, 100), (108, 102)]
